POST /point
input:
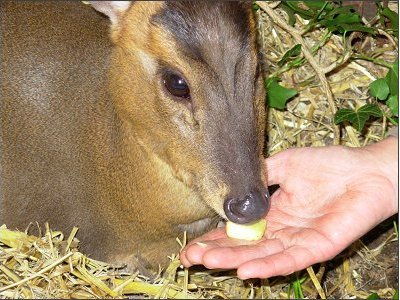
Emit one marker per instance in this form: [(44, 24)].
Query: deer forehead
[(216, 35)]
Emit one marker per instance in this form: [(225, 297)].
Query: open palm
[(328, 197)]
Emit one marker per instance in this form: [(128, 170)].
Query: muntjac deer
[(134, 138)]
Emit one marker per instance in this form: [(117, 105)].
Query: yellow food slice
[(250, 232)]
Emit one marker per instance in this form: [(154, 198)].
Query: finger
[(232, 257), (282, 263), (276, 167), (197, 246), (193, 257), (228, 253), (193, 253)]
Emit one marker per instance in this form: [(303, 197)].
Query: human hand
[(328, 198)]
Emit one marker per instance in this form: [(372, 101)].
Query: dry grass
[(51, 266)]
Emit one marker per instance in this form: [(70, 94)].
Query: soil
[(387, 261), (374, 263)]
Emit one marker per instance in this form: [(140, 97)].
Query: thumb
[(277, 166)]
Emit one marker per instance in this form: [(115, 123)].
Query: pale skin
[(328, 198)]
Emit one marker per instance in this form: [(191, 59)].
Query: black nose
[(252, 207)]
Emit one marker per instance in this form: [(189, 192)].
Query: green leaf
[(394, 19), (370, 109), (340, 10), (393, 104), (388, 88), (373, 296), (344, 114), (392, 78), (344, 18), (290, 54), (316, 5), (255, 6), (379, 89), (293, 5), (277, 95), (396, 295), (346, 24), (347, 18), (295, 285), (298, 291), (290, 13), (359, 117), (357, 27)]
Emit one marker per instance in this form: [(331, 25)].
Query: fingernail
[(202, 245)]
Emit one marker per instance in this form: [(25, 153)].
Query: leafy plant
[(277, 95), (393, 17), (290, 55), (255, 6), (295, 285), (379, 89), (373, 296), (333, 16), (338, 19), (387, 89), (358, 117)]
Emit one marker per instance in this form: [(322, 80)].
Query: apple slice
[(251, 232)]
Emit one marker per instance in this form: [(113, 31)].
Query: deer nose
[(252, 207)]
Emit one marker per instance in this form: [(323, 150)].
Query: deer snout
[(250, 208)]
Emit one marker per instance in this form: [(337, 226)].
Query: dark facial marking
[(191, 22)]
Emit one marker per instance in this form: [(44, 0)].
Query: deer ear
[(112, 9)]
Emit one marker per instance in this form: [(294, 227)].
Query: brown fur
[(110, 151)]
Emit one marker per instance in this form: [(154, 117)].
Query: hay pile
[(51, 266)]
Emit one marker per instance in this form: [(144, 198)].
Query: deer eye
[(176, 85)]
